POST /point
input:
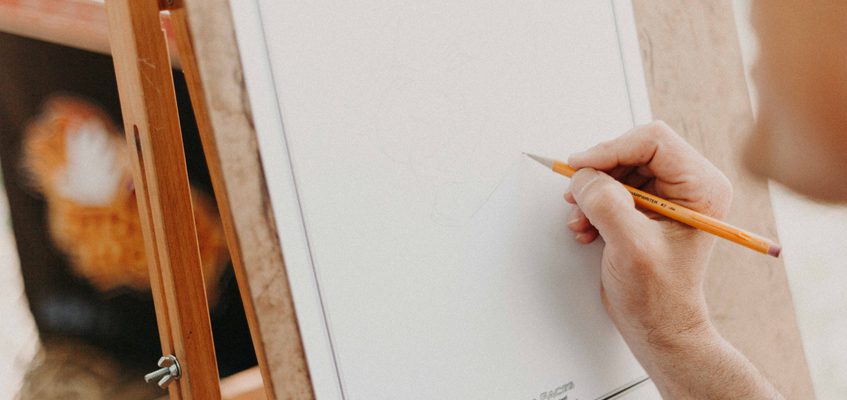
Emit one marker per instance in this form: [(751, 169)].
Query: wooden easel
[(696, 84), (148, 103)]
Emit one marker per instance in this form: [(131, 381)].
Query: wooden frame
[(233, 158), (75, 23), (151, 124), (696, 80), (145, 83), (222, 170)]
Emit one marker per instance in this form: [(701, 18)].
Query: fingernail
[(573, 221), (578, 236)]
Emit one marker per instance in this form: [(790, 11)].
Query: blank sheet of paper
[(428, 258)]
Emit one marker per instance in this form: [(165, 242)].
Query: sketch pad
[(428, 258)]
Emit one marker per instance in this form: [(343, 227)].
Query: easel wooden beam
[(151, 123), (231, 150), (235, 163), (75, 23), (185, 48)]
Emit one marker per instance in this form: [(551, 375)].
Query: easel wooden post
[(151, 122)]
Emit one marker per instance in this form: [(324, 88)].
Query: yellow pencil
[(682, 214)]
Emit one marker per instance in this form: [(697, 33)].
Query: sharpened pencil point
[(541, 160)]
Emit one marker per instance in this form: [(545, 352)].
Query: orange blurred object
[(77, 160)]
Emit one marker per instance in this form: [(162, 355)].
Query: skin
[(653, 268), (801, 77)]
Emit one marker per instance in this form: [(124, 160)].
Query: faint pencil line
[(497, 186)]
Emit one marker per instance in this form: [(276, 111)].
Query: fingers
[(658, 158), (583, 231), (635, 179), (588, 236), (655, 145), (577, 222), (607, 206)]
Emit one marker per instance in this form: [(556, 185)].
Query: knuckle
[(606, 144), (579, 180), (604, 147), (724, 191), (650, 135), (642, 255), (601, 195), (725, 184), (599, 203), (660, 129), (717, 190)]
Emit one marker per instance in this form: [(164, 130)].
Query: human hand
[(652, 267)]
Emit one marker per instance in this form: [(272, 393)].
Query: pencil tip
[(541, 160)]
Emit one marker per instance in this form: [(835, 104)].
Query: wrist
[(685, 331), (695, 362), (664, 338), (667, 322)]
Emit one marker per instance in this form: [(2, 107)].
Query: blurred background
[(65, 334), (70, 317), (813, 236)]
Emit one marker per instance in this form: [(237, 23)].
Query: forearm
[(702, 365), (652, 269)]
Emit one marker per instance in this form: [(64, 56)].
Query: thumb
[(608, 206)]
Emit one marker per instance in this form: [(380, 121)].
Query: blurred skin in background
[(801, 76), (653, 268)]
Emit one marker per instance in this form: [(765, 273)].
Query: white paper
[(428, 258), (644, 391)]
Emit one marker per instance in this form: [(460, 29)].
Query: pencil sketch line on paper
[(447, 210)]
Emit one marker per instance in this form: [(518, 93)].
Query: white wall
[(814, 239), (18, 336)]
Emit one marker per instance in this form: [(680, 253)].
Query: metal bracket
[(168, 371)]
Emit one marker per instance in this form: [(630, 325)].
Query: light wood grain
[(182, 34), (245, 385), (696, 83), (151, 123), (240, 187), (75, 23), (693, 66)]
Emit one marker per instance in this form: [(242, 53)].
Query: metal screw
[(168, 371)]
